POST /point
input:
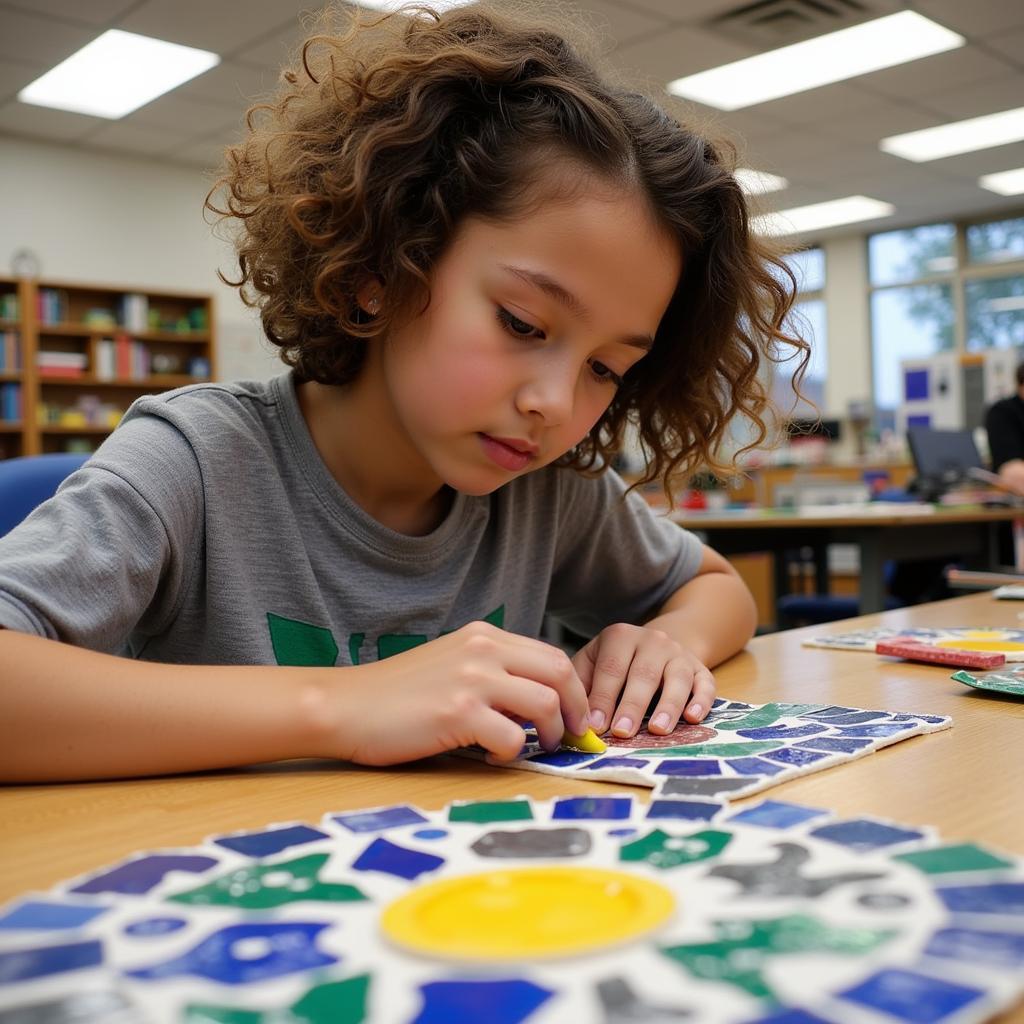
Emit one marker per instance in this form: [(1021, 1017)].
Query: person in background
[(1004, 423)]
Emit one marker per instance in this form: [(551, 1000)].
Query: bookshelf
[(86, 352)]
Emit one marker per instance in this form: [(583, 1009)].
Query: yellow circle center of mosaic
[(526, 912)]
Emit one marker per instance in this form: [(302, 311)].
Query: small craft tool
[(915, 651), (589, 742)]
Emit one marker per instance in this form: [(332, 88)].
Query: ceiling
[(824, 141)]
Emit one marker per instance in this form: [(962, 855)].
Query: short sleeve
[(616, 560), (109, 555)]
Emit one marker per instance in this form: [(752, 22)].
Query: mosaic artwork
[(737, 750), (1008, 642), (1008, 681), (577, 909)]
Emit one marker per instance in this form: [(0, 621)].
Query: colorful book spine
[(10, 402), (10, 352)]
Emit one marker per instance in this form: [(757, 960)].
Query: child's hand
[(624, 666), (466, 687)]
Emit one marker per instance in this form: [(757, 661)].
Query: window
[(808, 321), (942, 287)]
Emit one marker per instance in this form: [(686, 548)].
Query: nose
[(549, 392)]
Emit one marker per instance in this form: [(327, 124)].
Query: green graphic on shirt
[(301, 643)]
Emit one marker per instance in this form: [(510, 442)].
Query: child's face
[(530, 325)]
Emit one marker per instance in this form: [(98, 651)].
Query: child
[(481, 263)]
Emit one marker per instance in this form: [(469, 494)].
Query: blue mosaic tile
[(599, 807), (390, 859), (990, 949), (992, 898), (506, 1001), (910, 996), (834, 744), (790, 1015), (777, 814), (734, 705), (271, 840), (380, 819), (864, 834), (46, 915), (430, 833), (780, 732), (141, 875), (241, 954), (877, 731), (616, 762), (151, 927), (685, 810), (718, 702), (791, 755), (622, 832), (563, 758), (39, 962), (753, 766), (688, 766)]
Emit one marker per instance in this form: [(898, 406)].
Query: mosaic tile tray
[(1009, 680), (1008, 642), (737, 750), (577, 909)]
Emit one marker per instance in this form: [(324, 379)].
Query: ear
[(369, 297)]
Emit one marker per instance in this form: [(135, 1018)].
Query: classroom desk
[(966, 781), (882, 531)]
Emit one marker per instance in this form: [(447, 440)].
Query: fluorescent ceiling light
[(882, 43), (116, 73), (822, 215), (1006, 183), (958, 137), (757, 183)]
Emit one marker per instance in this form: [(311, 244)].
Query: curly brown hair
[(393, 132)]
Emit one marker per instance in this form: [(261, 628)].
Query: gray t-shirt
[(207, 530)]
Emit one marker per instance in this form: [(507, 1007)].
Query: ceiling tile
[(885, 119), (230, 84), (678, 52), (920, 78), (996, 94), (189, 21), (1009, 44), (806, 107), (617, 26), (179, 114), (38, 39), (44, 123), (125, 137), (91, 12), (974, 18), (983, 161), (206, 154)]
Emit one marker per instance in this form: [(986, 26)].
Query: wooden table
[(882, 531), (968, 781)]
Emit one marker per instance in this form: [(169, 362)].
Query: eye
[(516, 327), (605, 374)]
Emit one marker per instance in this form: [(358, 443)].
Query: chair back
[(29, 480)]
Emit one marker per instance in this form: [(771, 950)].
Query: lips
[(509, 453)]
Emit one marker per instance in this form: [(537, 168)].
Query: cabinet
[(83, 353)]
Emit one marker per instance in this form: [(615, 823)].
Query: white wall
[(849, 326), (107, 220)]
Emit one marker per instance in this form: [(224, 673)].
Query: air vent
[(769, 24)]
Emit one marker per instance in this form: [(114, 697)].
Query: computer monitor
[(942, 457)]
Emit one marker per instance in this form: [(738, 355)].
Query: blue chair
[(28, 481)]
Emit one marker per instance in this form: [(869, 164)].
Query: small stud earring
[(373, 305)]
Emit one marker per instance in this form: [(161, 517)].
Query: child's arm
[(708, 619), (67, 713)]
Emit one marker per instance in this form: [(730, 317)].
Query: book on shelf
[(134, 312), (62, 364), (52, 305), (10, 352), (9, 306), (10, 402), (122, 358)]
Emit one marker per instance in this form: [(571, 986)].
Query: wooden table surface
[(968, 781)]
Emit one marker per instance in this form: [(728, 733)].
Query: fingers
[(688, 685), (534, 702), (534, 660), (499, 735), (611, 654)]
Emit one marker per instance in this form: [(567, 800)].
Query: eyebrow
[(550, 287)]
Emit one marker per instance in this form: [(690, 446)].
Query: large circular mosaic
[(581, 909)]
